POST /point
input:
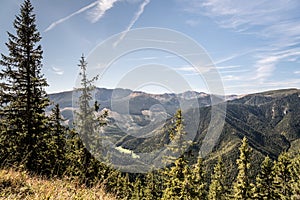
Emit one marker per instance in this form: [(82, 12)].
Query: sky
[(253, 45)]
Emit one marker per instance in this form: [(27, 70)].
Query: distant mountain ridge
[(138, 101), (270, 120)]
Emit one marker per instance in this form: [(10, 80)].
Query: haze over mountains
[(137, 101)]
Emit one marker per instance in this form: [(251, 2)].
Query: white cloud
[(230, 78), (275, 21), (192, 22), (143, 58), (99, 10), (191, 70), (236, 13), (57, 71), (267, 63), (228, 58), (187, 69), (228, 67), (234, 71), (157, 41), (265, 67)]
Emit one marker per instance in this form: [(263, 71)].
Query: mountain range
[(270, 120)]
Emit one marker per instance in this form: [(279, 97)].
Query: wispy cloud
[(296, 72), (57, 70), (237, 14), (143, 58), (271, 19), (233, 56), (235, 71), (276, 22), (157, 41), (187, 69), (99, 9), (133, 21), (267, 63), (102, 6), (192, 22), (265, 67), (192, 70), (228, 58), (230, 78), (228, 67)]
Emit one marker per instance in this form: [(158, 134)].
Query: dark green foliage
[(264, 189), (76, 162), (56, 144), (296, 178), (241, 187), (137, 190), (120, 185), (199, 185), (81, 162), (25, 134), (86, 120), (153, 185), (283, 176), (178, 142), (176, 182), (217, 187), (185, 182)]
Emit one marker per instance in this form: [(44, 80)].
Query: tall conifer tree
[(263, 189), (241, 187), (175, 180), (283, 176), (25, 99), (86, 123), (296, 178), (217, 188), (198, 180)]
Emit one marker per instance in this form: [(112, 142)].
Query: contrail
[(54, 24), (132, 22), (101, 6)]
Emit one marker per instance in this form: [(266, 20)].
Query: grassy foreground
[(20, 185)]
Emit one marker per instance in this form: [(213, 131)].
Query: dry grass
[(20, 185)]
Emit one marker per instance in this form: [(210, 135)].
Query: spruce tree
[(175, 181), (283, 176), (296, 178), (178, 142), (217, 187), (123, 189), (263, 189), (186, 191), (153, 185), (198, 181), (57, 142), (86, 140), (137, 190), (241, 187), (25, 99)]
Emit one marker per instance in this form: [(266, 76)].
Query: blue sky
[(255, 45)]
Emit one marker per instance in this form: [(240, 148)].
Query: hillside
[(270, 120), (21, 185)]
